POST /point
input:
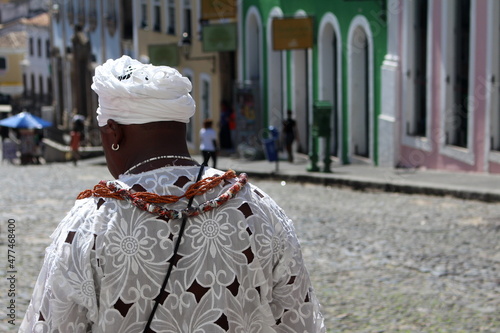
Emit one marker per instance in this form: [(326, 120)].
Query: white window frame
[(186, 5), (419, 142), (171, 6), (462, 154), (156, 26), (493, 82), (199, 26), (144, 16)]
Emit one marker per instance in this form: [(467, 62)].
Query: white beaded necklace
[(172, 157)]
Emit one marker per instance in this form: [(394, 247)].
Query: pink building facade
[(440, 86)]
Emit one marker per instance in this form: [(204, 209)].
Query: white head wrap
[(134, 93)]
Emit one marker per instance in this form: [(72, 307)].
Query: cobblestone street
[(380, 262)]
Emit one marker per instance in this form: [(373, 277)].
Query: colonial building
[(37, 80), (12, 52), (17, 21), (441, 84), (193, 36), (298, 53), (410, 83)]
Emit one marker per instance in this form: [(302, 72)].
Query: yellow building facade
[(176, 33), (12, 51)]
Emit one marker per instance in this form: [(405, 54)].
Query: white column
[(388, 120)]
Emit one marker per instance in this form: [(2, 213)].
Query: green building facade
[(298, 53)]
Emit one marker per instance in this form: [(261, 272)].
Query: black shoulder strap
[(176, 248)]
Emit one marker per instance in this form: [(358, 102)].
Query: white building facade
[(37, 79), (84, 34)]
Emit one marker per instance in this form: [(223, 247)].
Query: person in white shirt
[(208, 143)]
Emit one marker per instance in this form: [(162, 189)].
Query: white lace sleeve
[(64, 297), (294, 303)]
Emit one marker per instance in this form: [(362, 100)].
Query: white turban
[(134, 93)]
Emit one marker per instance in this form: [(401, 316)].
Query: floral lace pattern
[(239, 267)]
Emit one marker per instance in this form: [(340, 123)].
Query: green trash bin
[(322, 111)]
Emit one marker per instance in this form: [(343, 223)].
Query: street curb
[(364, 185)]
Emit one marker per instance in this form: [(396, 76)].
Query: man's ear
[(116, 130)]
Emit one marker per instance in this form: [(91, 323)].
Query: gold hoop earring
[(115, 146)]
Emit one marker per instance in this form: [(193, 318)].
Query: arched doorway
[(253, 47), (275, 78), (359, 94), (300, 99), (248, 92), (329, 72)]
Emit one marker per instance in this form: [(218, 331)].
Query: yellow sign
[(292, 33), (218, 9)]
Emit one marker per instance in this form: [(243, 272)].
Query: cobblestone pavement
[(380, 262)]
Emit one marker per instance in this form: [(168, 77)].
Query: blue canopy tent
[(25, 120)]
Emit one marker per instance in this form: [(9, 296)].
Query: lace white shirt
[(239, 267)]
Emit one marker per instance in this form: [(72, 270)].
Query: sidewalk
[(475, 186)]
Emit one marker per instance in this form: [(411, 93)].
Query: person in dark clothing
[(225, 126), (290, 134)]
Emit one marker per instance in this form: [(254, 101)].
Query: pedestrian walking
[(77, 136), (290, 134), (208, 143), (170, 245)]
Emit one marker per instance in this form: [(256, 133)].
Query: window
[(144, 14), (32, 87), (39, 47), (457, 113), (3, 63), (47, 48), (495, 88), (171, 17), (127, 19), (40, 86), (157, 16), (417, 112), (49, 90), (31, 46), (205, 99), (25, 85), (187, 17)]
